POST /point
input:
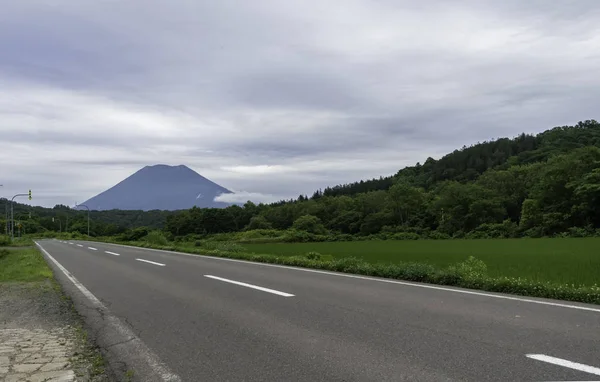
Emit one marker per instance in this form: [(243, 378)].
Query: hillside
[(533, 186), (160, 187), (529, 186)]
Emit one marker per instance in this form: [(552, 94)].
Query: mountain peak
[(160, 187)]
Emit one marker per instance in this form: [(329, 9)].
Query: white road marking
[(151, 262), (93, 249), (133, 341), (381, 280), (79, 245), (71, 243), (251, 286), (565, 363), (112, 253)]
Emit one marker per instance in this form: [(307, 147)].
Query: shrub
[(156, 238), (134, 234), (405, 236), (258, 222), (229, 247), (436, 235), (309, 223), (295, 236), (313, 255), (4, 240), (417, 271), (469, 269), (580, 232)]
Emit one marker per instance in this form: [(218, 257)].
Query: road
[(212, 319)]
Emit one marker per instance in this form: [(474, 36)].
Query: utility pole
[(88, 218), (12, 213)]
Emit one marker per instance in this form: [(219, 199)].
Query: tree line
[(532, 185)]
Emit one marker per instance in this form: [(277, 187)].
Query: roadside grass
[(23, 265), (561, 260), (5, 241)]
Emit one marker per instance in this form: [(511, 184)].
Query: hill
[(528, 186), (160, 187)]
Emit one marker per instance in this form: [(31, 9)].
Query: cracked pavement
[(36, 355)]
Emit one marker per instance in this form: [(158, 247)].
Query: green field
[(571, 261)]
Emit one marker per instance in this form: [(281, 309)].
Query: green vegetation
[(511, 192), (547, 185), (530, 186), (23, 265), (560, 261)]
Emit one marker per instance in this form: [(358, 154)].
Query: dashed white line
[(134, 344), (71, 243), (112, 253), (93, 249), (251, 286), (79, 245), (151, 262), (368, 278), (565, 363)]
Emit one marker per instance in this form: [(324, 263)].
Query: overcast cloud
[(275, 98)]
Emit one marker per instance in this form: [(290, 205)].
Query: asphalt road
[(204, 325)]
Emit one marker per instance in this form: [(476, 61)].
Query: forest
[(542, 185)]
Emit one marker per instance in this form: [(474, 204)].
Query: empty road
[(211, 319)]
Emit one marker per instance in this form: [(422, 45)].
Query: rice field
[(562, 260)]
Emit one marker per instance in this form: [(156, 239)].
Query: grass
[(562, 261), (23, 265)]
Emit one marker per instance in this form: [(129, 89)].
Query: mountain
[(160, 187)]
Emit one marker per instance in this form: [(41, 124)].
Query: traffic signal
[(29, 194)]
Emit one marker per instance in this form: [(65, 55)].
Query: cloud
[(241, 197), (278, 98)]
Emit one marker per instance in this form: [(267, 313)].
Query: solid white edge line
[(565, 363), (93, 249), (251, 286), (388, 281), (159, 368), (112, 253), (151, 262)]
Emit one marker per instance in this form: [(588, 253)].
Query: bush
[(230, 247), (469, 270), (295, 236), (134, 234), (580, 232), (311, 224), (258, 222), (4, 240), (156, 238), (436, 235), (405, 236), (313, 255)]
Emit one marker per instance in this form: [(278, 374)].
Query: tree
[(311, 224), (258, 222)]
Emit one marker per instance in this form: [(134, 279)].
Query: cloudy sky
[(277, 98)]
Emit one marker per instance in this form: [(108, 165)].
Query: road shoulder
[(42, 337)]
